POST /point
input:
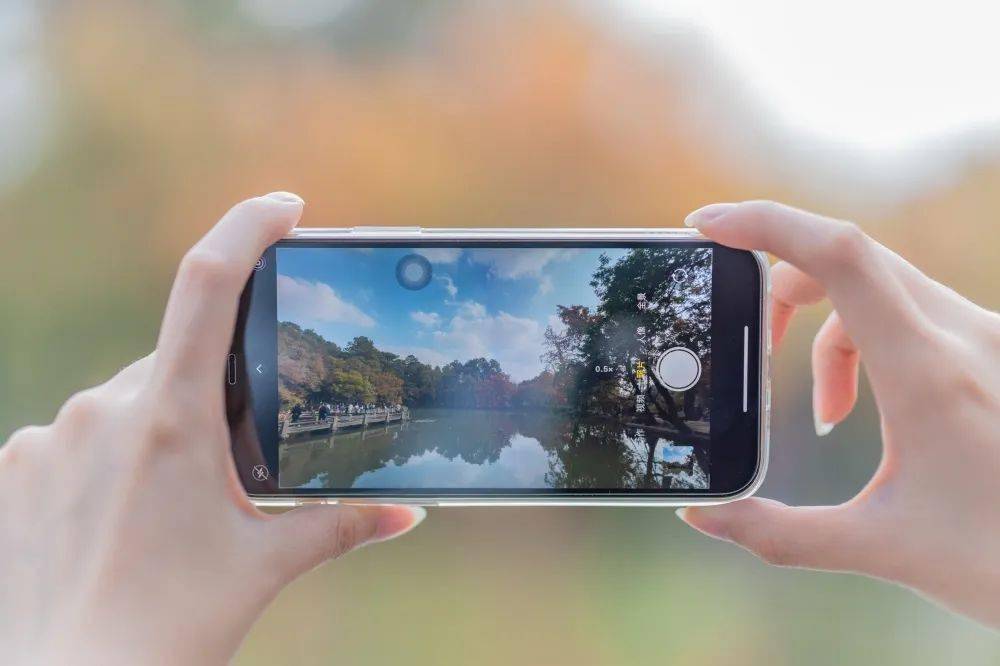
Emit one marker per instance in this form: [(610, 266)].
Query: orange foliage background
[(472, 114)]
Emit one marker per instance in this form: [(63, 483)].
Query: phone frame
[(433, 234)]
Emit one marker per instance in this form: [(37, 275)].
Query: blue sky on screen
[(488, 302)]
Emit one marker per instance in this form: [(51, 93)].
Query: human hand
[(926, 520), (125, 535)]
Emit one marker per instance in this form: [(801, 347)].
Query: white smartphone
[(501, 366)]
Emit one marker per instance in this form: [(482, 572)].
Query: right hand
[(929, 518)]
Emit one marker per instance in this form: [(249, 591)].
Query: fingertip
[(821, 423), (254, 223), (823, 428), (396, 520), (836, 368), (705, 519), (278, 212), (701, 217), (284, 209)]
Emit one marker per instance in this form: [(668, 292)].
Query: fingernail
[(707, 213), (285, 197), (419, 513), (399, 521), (822, 427)]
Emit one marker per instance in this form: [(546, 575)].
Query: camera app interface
[(494, 368)]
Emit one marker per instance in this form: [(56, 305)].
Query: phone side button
[(310, 501), (385, 230), (231, 369)]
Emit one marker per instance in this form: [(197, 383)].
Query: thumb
[(813, 537), (308, 536)]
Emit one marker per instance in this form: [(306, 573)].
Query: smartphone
[(501, 366)]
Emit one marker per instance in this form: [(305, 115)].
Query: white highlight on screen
[(746, 360)]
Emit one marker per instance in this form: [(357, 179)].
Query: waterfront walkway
[(310, 422)]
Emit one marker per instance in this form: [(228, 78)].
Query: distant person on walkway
[(296, 412)]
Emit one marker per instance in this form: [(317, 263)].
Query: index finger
[(859, 279), (198, 324)]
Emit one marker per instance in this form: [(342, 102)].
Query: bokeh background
[(128, 127)]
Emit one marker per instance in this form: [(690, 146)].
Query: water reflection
[(495, 449)]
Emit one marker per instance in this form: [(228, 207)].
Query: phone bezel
[(512, 237)]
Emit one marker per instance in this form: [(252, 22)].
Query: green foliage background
[(154, 116)]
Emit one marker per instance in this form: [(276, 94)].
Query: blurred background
[(128, 127)]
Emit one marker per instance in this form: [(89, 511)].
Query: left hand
[(125, 535)]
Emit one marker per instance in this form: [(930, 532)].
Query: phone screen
[(390, 369)]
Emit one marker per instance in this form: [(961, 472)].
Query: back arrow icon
[(260, 368)]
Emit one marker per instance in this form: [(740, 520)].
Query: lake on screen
[(461, 448)]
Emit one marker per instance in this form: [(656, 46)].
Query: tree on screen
[(649, 300)]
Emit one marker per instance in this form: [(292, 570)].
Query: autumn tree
[(651, 299)]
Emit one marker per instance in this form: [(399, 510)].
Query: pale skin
[(125, 536), (925, 520)]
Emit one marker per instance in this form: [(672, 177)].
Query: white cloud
[(515, 342), (423, 354), (440, 255), (544, 285), (449, 285), (472, 309), (523, 463), (512, 263), (428, 319), (305, 302)]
